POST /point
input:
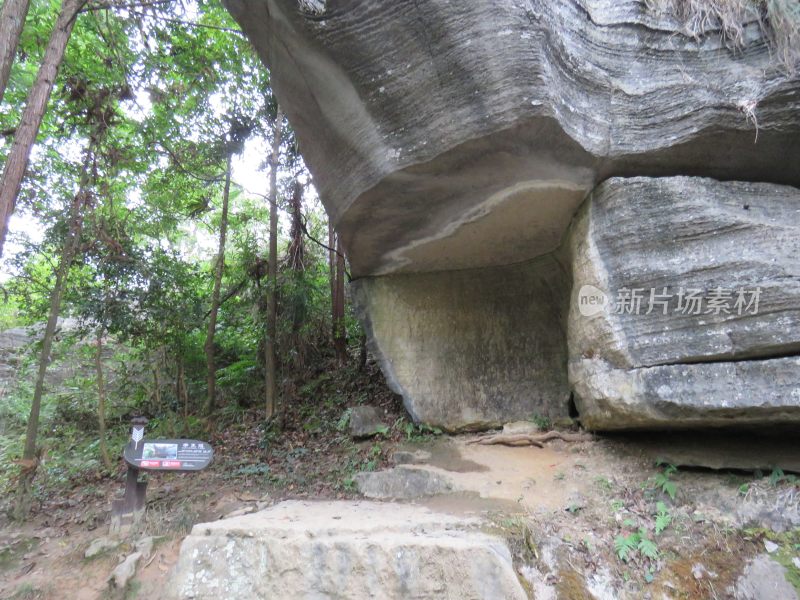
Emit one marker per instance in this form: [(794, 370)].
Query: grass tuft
[(779, 20)]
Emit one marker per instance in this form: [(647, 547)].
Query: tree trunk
[(157, 382), (211, 367), (272, 273), (28, 129), (101, 402), (12, 20), (297, 248), (332, 275), (297, 263), (362, 352), (181, 393), (29, 455), (339, 330)]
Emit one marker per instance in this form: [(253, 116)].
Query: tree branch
[(191, 23), (110, 5)]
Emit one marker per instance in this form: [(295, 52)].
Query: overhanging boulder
[(453, 142), (438, 130)]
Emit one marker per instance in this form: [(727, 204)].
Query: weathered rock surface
[(720, 394), (410, 457), (764, 579), (12, 341), (723, 451), (365, 421), (125, 570), (475, 348), (145, 546), (351, 550), (521, 427), (99, 546), (402, 483), (679, 235), (452, 144), (666, 360), (438, 131)]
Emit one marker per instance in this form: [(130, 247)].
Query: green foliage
[(542, 422), (777, 476), (603, 483), (10, 314), (647, 547), (626, 546), (144, 114), (344, 420), (414, 432), (663, 482), (663, 517)]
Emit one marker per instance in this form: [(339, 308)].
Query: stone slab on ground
[(125, 570), (100, 545), (764, 579), (366, 421), (346, 550), (402, 483), (744, 451)]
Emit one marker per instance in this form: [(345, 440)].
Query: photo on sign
[(168, 451)]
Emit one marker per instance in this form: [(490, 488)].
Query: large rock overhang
[(457, 137), (423, 121)]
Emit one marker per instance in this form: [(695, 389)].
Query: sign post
[(141, 454)]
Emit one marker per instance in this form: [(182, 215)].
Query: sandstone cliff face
[(464, 136)]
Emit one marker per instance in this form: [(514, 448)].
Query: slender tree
[(101, 401), (211, 367), (180, 390), (332, 272), (339, 330), (28, 129), (272, 272), (12, 20), (296, 263), (30, 458)]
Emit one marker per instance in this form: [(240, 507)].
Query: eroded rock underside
[(453, 144)]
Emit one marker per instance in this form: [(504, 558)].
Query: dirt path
[(563, 509)]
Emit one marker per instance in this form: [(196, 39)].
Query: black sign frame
[(176, 455)]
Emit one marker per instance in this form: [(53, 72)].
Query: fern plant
[(626, 546), (663, 482), (663, 518)]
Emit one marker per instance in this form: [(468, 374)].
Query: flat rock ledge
[(344, 549)]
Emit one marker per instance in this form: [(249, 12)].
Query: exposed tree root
[(529, 439)]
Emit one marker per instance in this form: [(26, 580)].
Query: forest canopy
[(164, 246)]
